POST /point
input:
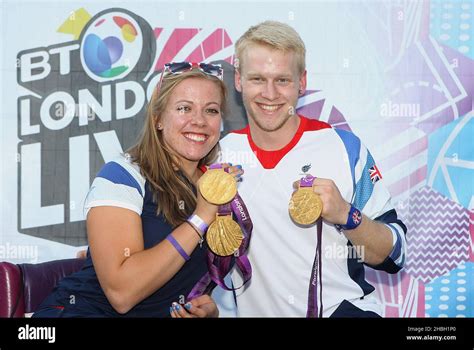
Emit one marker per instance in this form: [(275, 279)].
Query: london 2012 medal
[(305, 206)]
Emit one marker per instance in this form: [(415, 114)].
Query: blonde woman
[(145, 219)]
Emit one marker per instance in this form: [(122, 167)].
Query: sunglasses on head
[(214, 70)]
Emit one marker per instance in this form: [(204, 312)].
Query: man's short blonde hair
[(276, 35)]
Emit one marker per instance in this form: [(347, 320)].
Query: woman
[(145, 219)]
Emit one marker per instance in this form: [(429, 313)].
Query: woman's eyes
[(183, 109), (212, 111)]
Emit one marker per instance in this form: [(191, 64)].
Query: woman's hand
[(235, 170), (206, 210), (81, 254), (202, 306)]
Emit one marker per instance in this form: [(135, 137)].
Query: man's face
[(270, 85)]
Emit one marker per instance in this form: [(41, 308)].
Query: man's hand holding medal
[(317, 197)]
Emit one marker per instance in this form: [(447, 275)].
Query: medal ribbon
[(316, 276), (220, 266), (316, 272)]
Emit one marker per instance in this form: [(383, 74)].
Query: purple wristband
[(177, 246)]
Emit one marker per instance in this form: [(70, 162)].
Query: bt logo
[(111, 46)]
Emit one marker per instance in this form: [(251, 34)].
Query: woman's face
[(191, 121)]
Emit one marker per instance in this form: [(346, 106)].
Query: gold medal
[(224, 236), (305, 206), (217, 186)]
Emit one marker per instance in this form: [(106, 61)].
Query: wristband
[(177, 246), (199, 224), (354, 218)]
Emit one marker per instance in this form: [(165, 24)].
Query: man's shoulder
[(234, 136), (311, 124)]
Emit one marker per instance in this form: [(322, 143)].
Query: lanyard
[(316, 278)]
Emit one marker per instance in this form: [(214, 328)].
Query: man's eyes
[(278, 81)]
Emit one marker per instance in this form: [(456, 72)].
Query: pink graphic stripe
[(409, 181), (175, 43), (405, 153)]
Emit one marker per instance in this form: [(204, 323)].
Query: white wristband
[(198, 223)]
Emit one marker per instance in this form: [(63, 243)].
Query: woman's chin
[(193, 153), (193, 157)]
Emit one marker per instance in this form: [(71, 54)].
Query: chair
[(24, 286)]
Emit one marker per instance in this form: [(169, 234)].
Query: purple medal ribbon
[(316, 275), (220, 266), (316, 272)]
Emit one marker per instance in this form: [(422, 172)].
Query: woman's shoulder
[(121, 170), (118, 184)]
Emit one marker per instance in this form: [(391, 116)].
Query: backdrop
[(76, 76)]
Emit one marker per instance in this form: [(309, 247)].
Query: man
[(295, 272)]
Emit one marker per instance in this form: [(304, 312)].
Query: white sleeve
[(372, 198), (118, 184)]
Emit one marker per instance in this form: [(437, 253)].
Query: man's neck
[(274, 140)]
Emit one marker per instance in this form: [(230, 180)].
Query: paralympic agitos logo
[(85, 103)]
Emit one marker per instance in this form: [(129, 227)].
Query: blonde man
[(308, 270)]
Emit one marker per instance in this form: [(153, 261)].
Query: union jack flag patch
[(356, 217), (375, 174)]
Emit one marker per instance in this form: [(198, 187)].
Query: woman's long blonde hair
[(172, 190)]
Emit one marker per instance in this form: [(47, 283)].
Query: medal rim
[(293, 211), (208, 195), (214, 230)]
